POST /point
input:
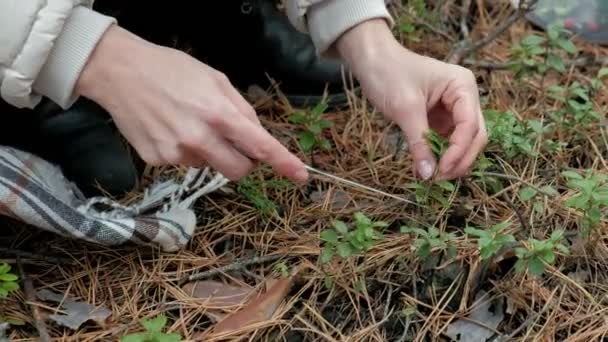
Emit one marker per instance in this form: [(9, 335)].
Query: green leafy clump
[(314, 124), (539, 254), (591, 197), (538, 54), (8, 281), (576, 107), (490, 241), (515, 137), (431, 241), (154, 332), (529, 193), (438, 191), (345, 241), (255, 190)]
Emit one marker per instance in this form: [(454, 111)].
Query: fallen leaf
[(217, 294), (77, 313), (465, 330), (260, 309)]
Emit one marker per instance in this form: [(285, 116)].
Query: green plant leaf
[(446, 185), (325, 124), (536, 266), (340, 227), (325, 144), (4, 268), (330, 236), (344, 250), (315, 128), (172, 337), (549, 190), (527, 193), (475, 231), (532, 40), (567, 46), (548, 256), (577, 202), (571, 175), (140, 337), (327, 254), (10, 286), (556, 63), (602, 73), (8, 277), (155, 324), (297, 118), (307, 141)]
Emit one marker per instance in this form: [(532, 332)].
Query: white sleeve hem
[(71, 51)]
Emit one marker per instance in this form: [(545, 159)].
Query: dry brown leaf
[(76, 313), (217, 294), (260, 309), (488, 314)]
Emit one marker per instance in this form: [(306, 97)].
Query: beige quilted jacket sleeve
[(327, 20), (44, 44)]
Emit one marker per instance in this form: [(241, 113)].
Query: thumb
[(413, 120)]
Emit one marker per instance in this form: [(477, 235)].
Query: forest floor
[(515, 252)]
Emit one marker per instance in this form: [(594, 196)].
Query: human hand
[(418, 93), (175, 110)]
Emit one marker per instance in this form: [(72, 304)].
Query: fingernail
[(425, 168), (301, 176)]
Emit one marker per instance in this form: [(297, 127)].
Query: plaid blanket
[(36, 192)]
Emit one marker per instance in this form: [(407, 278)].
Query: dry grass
[(369, 293)]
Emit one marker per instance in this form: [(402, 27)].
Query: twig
[(464, 15), (238, 264), (521, 218), (31, 297), (465, 48), (408, 321), (435, 30), (29, 255)]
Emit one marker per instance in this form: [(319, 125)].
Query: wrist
[(113, 54), (366, 43)]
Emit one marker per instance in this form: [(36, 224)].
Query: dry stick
[(238, 264), (520, 216), (29, 255), (31, 297), (464, 48), (464, 15)]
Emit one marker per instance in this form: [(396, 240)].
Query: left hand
[(418, 92)]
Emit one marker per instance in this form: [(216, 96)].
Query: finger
[(253, 140), (224, 158), (463, 168), (466, 122), (238, 101), (412, 119)]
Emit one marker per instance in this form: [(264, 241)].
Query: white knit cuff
[(328, 20), (72, 49)]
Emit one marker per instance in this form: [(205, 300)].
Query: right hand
[(175, 110)]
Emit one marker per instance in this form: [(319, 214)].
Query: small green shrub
[(345, 241), (8, 281), (154, 332)]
